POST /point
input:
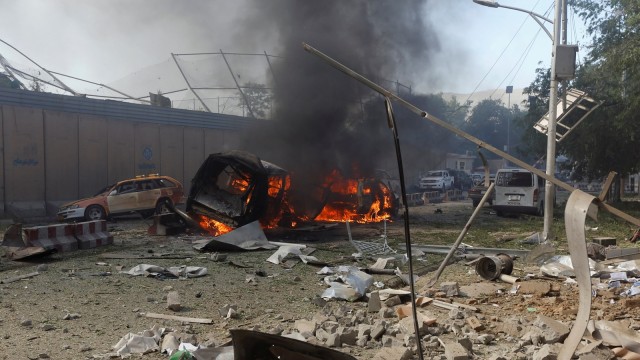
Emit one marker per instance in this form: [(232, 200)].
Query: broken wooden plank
[(19, 277), (179, 318)]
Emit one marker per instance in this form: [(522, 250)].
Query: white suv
[(436, 180)]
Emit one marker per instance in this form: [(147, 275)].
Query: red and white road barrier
[(92, 234), (59, 237)]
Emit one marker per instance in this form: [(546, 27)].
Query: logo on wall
[(147, 153)]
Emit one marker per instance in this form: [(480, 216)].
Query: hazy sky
[(105, 40)]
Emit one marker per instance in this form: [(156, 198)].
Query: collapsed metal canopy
[(578, 107)]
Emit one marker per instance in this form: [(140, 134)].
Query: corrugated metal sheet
[(121, 110)]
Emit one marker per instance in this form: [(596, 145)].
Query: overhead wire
[(520, 62), (498, 59)]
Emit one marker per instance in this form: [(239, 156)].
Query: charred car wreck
[(235, 188)]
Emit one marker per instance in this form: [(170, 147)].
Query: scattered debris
[(172, 272)]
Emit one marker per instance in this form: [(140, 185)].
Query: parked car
[(477, 192), (461, 180), (436, 180), (145, 194), (479, 189)]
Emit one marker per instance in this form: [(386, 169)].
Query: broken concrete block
[(553, 331), (449, 288), (374, 304), (393, 301), (396, 353), (386, 313), (224, 311), (631, 303), (173, 301), (322, 334), (387, 340), (546, 352), (334, 340), (466, 343), (364, 330), (405, 326), (378, 330), (510, 328), (456, 314), (348, 335), (455, 351), (305, 327), (486, 339), (330, 326), (474, 323), (362, 341), (539, 288)]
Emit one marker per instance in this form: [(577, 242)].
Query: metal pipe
[(466, 228), (508, 278), (549, 196)]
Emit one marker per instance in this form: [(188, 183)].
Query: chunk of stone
[(395, 353), (378, 330), (173, 301), (362, 341), (348, 335), (485, 339), (450, 288), (224, 311), (305, 327), (546, 352), (386, 313), (330, 326), (322, 334), (393, 301), (553, 331), (364, 330), (455, 351), (374, 304), (334, 340)]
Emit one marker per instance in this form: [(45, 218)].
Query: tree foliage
[(259, 98), (607, 139)]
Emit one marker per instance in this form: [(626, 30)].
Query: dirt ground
[(80, 305)]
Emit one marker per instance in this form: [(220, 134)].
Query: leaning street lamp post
[(553, 100)]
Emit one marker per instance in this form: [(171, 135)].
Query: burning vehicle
[(235, 188)]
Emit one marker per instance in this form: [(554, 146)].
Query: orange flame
[(215, 228), (356, 200)]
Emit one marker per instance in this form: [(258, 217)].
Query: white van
[(518, 191)]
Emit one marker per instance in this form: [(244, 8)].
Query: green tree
[(259, 98), (491, 121), (608, 139)]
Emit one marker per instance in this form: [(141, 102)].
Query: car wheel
[(499, 213), (94, 212), (164, 206), (475, 203)]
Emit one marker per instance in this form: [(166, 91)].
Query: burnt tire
[(94, 212), (164, 206)]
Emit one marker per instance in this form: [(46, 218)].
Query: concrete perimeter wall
[(52, 153)]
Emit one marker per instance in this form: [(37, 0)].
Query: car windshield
[(434, 173), (520, 179), (104, 190)]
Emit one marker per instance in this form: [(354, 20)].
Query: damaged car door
[(123, 198)]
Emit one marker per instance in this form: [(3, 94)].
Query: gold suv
[(145, 194)]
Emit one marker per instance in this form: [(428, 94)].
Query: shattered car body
[(234, 188)]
